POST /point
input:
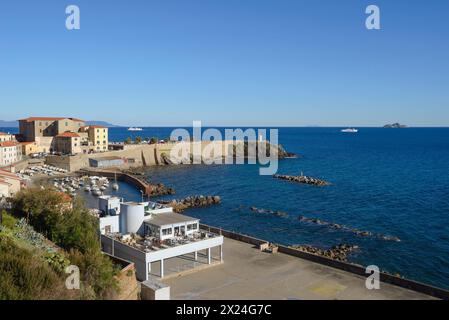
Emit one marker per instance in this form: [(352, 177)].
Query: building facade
[(10, 153), (99, 136), (6, 137), (68, 143), (34, 127), (10, 183), (29, 148)]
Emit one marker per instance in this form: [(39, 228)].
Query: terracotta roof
[(11, 175), (31, 119), (4, 134), (26, 143), (8, 144), (68, 134), (98, 127)]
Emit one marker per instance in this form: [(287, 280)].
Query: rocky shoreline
[(192, 202), (339, 252), (302, 179)]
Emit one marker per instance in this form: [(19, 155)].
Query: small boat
[(115, 184), (350, 130), (87, 189), (134, 129)]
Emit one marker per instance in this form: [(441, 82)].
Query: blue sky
[(227, 62)]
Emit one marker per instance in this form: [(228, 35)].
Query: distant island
[(15, 124), (395, 125)]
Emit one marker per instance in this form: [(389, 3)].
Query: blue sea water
[(387, 181)]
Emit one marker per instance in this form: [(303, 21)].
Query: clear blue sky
[(227, 62)]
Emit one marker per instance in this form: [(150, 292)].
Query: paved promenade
[(248, 273)]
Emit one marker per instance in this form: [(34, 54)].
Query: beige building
[(6, 137), (34, 127), (98, 136), (68, 143), (10, 153), (10, 183), (29, 148)]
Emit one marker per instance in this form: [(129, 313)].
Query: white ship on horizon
[(350, 130), (134, 129)]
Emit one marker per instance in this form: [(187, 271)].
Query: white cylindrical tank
[(132, 215)]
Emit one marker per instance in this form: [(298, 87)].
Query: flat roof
[(163, 219), (107, 158)]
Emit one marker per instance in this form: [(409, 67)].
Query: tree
[(153, 140), (128, 140), (138, 140)]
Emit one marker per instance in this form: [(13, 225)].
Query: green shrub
[(8, 220), (24, 275), (73, 228)]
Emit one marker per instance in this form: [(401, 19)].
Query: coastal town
[(165, 250)]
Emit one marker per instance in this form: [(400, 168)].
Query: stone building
[(34, 127), (68, 143)]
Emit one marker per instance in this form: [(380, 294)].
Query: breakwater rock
[(339, 252), (160, 190), (192, 202), (336, 226), (266, 211), (302, 179)]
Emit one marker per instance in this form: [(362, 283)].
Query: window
[(66, 124), (167, 231), (192, 226)]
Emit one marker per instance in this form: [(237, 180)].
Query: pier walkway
[(248, 273)]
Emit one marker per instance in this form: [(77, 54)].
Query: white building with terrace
[(158, 241)]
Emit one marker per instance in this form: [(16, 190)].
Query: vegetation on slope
[(71, 227)]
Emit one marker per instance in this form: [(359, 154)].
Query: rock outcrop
[(395, 126), (302, 179), (192, 202)]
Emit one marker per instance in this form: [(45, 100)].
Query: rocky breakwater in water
[(158, 189), (267, 211), (302, 179), (336, 226), (339, 252), (192, 202)]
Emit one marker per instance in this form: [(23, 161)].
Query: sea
[(392, 183)]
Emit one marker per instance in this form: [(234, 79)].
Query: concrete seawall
[(140, 155), (352, 268)]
